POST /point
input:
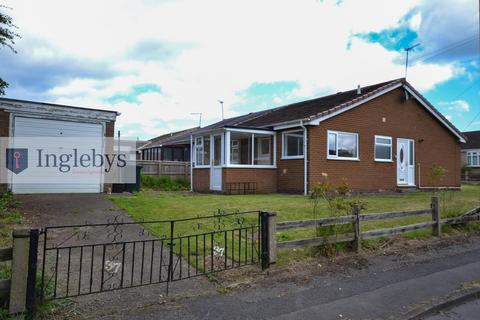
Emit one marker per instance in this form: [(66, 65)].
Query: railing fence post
[(170, 260), (437, 227), (268, 226), (32, 273), (358, 236)]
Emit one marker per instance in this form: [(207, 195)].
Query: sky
[(159, 61)]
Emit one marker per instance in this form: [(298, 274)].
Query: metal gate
[(98, 257)]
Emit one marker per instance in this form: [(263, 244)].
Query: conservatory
[(219, 156)]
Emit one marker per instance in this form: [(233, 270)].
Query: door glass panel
[(410, 153), (401, 154), (217, 150)]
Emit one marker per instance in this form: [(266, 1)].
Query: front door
[(216, 163), (405, 162)]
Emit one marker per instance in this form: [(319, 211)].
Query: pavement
[(399, 281), (465, 311)]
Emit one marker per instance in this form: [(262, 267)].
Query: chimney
[(359, 90)]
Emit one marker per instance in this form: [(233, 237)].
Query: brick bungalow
[(380, 137), (471, 155)]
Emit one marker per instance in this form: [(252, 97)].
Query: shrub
[(164, 183)]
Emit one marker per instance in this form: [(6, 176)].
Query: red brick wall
[(289, 171), (404, 119), (266, 179), (201, 179)]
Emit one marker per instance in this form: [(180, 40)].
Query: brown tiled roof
[(315, 108), (473, 140), (172, 138)]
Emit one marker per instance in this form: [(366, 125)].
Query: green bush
[(164, 183)]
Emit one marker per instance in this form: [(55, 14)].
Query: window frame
[(472, 153), (200, 146), (382, 144), (336, 157), (284, 144)]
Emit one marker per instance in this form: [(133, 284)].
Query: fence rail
[(173, 169), (356, 218)]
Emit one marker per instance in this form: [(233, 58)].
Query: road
[(394, 285)]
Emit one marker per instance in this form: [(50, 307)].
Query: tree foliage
[(7, 39)]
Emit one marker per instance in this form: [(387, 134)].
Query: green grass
[(155, 205), (164, 183)]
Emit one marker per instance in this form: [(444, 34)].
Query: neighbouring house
[(174, 146), (470, 151), (385, 136), (21, 118)]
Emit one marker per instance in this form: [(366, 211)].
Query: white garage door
[(33, 127)]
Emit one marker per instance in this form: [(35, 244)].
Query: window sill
[(385, 161), (201, 167), (292, 158), (343, 159), (251, 166)]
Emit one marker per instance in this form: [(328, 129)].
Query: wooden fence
[(356, 218), (5, 256), (173, 169)]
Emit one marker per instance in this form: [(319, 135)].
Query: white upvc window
[(383, 149), (202, 151), (250, 148), (342, 145), (473, 158), (292, 144)]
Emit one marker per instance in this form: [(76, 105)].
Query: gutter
[(305, 158)]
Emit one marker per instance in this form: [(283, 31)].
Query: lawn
[(157, 205)]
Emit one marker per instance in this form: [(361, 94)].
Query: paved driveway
[(73, 209)]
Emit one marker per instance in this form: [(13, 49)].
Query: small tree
[(437, 173), (339, 203), (7, 39)]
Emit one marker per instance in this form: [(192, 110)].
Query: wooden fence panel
[(173, 169), (436, 222)]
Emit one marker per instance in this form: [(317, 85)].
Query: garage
[(29, 120)]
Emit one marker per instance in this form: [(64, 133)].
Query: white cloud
[(456, 105), (230, 45)]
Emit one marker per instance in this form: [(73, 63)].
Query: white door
[(216, 160), (39, 128), (405, 162)]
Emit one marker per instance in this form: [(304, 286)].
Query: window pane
[(168, 154), (469, 158), (198, 155), (474, 159), (293, 144), (263, 149), (332, 144), (383, 140), (382, 152), (206, 150), (347, 145), (240, 148)]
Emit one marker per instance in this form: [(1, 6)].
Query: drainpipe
[(305, 153), (191, 163)]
